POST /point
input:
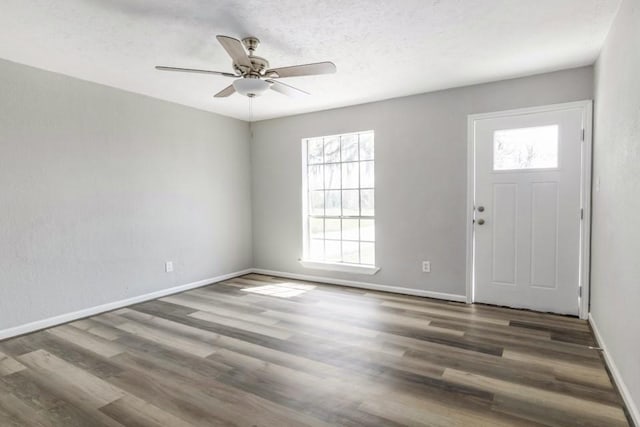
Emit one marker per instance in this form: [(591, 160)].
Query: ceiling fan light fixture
[(251, 87)]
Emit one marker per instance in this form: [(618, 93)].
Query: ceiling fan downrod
[(251, 44)]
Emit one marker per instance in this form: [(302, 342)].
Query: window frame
[(324, 264)]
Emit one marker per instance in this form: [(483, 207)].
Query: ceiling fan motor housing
[(258, 66)]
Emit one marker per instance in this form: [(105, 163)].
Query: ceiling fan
[(252, 73)]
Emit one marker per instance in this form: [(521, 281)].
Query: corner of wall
[(615, 196), (252, 193)]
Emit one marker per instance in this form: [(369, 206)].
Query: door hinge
[(580, 291), (582, 135), (581, 213)]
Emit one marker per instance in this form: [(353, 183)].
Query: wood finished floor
[(263, 351)]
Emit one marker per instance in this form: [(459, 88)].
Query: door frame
[(585, 192)]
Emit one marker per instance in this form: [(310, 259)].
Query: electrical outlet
[(168, 266), (426, 266)]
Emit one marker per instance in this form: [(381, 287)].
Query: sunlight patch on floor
[(281, 290)]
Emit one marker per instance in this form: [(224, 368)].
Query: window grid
[(326, 187)]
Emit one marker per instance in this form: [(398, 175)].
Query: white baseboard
[(364, 285), (617, 377), (92, 311)]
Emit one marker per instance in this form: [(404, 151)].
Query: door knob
[(480, 208), (480, 221)]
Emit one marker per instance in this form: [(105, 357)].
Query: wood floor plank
[(134, 412), (264, 351), (60, 406), (85, 340), (609, 415), (15, 412), (9, 365), (430, 310), (215, 403), (591, 375), (256, 328), (169, 339), (84, 386), (549, 417), (208, 304), (430, 415), (212, 304), (93, 327), (71, 353)]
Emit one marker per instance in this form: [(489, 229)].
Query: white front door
[(527, 216)]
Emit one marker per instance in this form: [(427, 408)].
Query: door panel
[(544, 234), (504, 233), (527, 217)]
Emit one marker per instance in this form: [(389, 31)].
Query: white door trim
[(585, 235)]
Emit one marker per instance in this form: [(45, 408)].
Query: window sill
[(339, 266)]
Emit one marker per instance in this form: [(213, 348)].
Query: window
[(526, 148), (338, 187)]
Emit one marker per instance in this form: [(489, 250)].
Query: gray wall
[(615, 270), (99, 187), (421, 176)]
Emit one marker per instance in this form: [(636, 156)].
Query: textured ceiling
[(383, 49)]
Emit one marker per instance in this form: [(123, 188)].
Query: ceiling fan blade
[(235, 50), (192, 70), (302, 70), (286, 89), (229, 90)]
